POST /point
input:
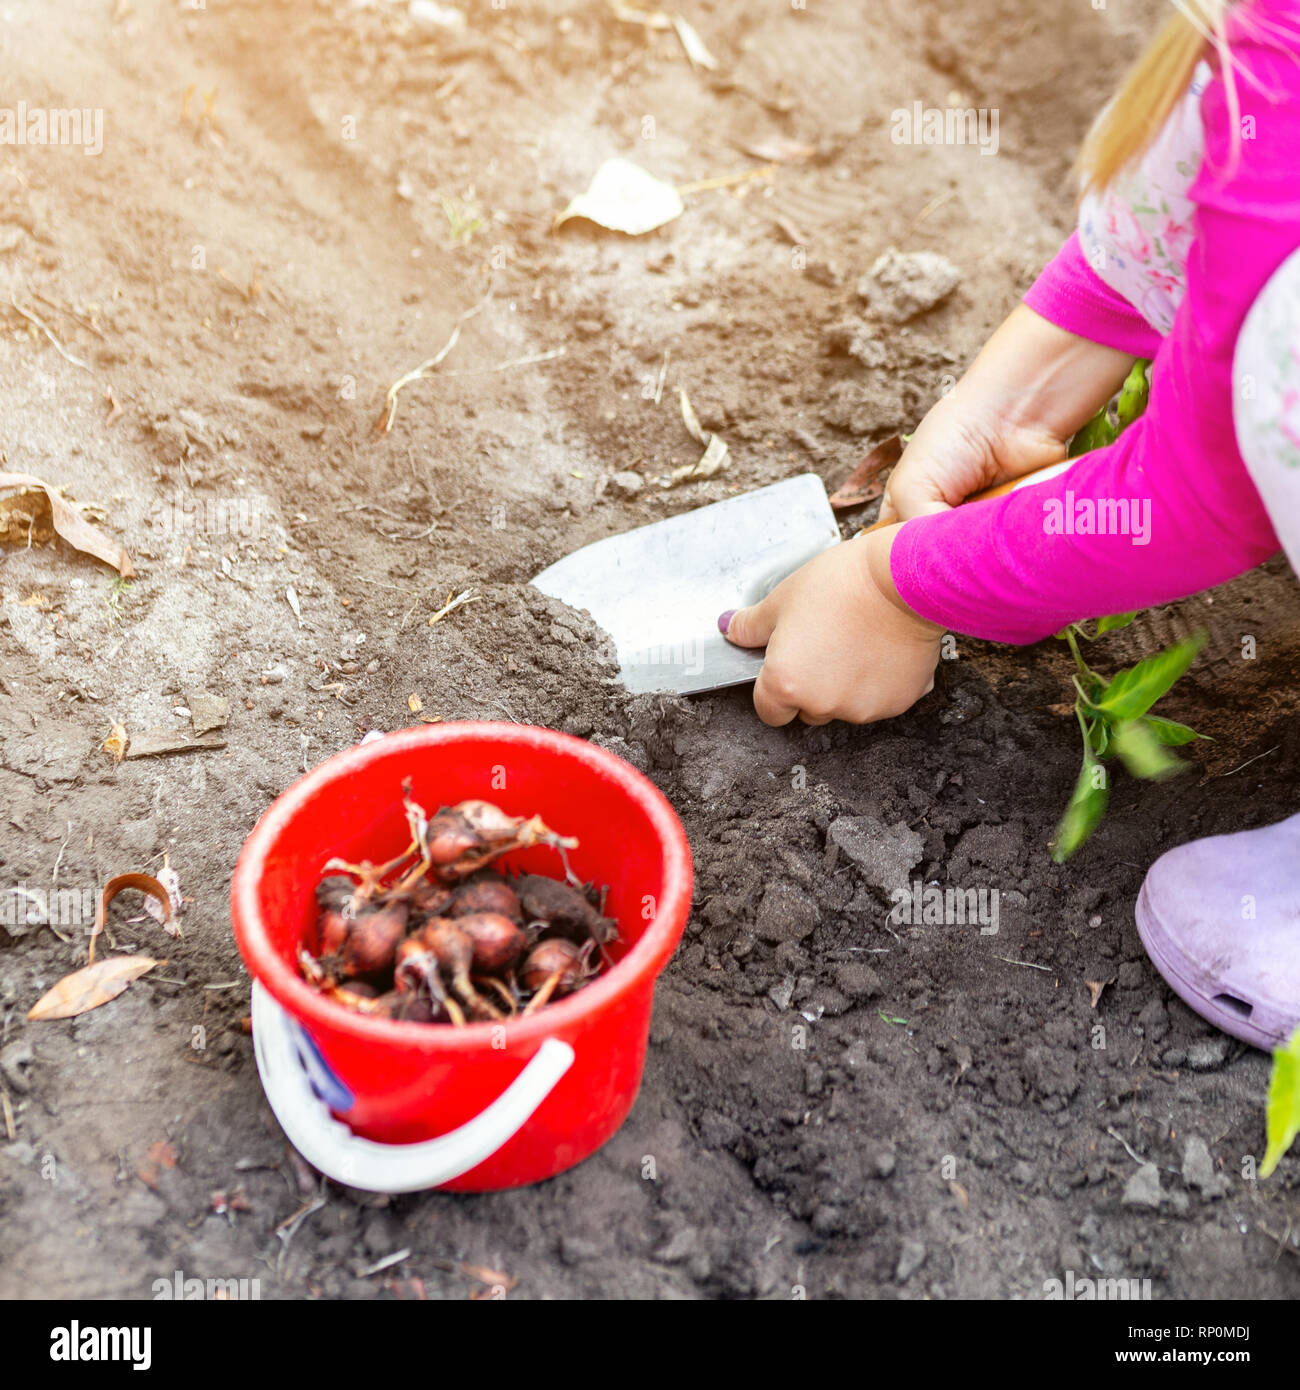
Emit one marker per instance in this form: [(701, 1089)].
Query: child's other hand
[(1032, 385), (961, 448), (840, 642)]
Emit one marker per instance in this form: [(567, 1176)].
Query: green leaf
[(1135, 689), (1130, 403), (1099, 737), (1282, 1116), (1133, 394), (1114, 622), (1086, 808), (1170, 732), (1141, 750), (1096, 434)]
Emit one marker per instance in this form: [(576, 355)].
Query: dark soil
[(834, 1104)]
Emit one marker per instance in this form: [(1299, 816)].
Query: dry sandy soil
[(248, 271)]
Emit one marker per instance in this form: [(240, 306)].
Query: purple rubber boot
[(1220, 919)]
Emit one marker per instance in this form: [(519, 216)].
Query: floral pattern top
[(1136, 234)]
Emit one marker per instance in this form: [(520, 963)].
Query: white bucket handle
[(330, 1146)]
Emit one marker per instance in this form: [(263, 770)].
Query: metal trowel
[(658, 590)]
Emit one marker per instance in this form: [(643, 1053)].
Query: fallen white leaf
[(622, 197), (171, 881)]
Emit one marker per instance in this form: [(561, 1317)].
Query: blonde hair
[(1152, 90)]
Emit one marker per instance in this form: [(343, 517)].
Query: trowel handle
[(1039, 475)]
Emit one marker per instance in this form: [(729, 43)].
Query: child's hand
[(1014, 410), (960, 448), (840, 642)]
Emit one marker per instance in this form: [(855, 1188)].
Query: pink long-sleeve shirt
[(1179, 509)]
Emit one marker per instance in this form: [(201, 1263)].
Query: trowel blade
[(658, 590)]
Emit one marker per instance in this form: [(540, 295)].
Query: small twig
[(1028, 964), (288, 1228), (45, 328), (932, 206), (1285, 1242), (1119, 1139), (726, 180), (9, 1116), (548, 356), (54, 877), (385, 421), (71, 313), (462, 598), (1247, 763), (387, 1262)]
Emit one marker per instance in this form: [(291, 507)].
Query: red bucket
[(402, 1083)]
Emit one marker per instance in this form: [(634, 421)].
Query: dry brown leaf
[(148, 885), (864, 484), (161, 1155), (407, 1290), (116, 742), (962, 1196), (69, 523), (491, 1277), (414, 703), (1095, 990), (90, 987)]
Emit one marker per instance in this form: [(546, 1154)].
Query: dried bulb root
[(437, 935)]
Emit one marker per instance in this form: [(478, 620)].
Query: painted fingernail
[(724, 621)]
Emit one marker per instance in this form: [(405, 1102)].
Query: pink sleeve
[(1182, 512), (1069, 294)]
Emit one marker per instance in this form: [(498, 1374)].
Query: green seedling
[(1114, 720), (117, 591), (1282, 1115), (1113, 714), (463, 219)]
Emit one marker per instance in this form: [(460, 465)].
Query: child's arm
[(1177, 506)]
